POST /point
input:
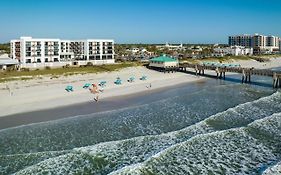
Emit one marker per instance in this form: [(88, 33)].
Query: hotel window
[(28, 44)]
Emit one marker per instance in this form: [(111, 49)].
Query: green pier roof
[(163, 58)]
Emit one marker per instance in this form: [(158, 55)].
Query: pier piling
[(246, 72)]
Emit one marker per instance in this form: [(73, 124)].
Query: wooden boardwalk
[(246, 72)]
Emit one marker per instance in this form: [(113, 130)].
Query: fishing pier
[(222, 69)]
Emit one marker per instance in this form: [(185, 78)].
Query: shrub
[(54, 76), (47, 67), (25, 69), (12, 68), (66, 66), (90, 64)]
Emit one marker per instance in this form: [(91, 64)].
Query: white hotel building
[(35, 52)]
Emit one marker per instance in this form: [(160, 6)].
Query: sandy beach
[(38, 94), (44, 93)]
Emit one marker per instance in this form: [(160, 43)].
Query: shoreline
[(106, 105), (48, 94)]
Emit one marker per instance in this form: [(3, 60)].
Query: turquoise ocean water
[(220, 128)]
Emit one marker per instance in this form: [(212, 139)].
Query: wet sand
[(119, 102), (123, 99), (46, 93), (106, 104)]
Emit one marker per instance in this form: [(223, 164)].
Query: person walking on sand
[(9, 89), (94, 90), (149, 86)]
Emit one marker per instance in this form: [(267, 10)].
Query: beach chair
[(102, 84), (143, 77), (131, 79), (207, 63), (118, 82), (69, 88), (86, 85)]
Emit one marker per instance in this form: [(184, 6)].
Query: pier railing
[(221, 70)]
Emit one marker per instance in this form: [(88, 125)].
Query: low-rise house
[(171, 47), (233, 50), (133, 50), (6, 62), (195, 50)]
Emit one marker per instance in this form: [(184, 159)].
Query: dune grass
[(56, 72)]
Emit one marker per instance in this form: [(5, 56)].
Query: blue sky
[(139, 21)]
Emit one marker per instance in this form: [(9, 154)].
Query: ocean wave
[(151, 119), (11, 163), (274, 170), (106, 157), (233, 151)]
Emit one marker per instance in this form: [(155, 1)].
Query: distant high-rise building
[(259, 43), (280, 45), (240, 40)]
